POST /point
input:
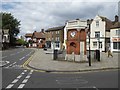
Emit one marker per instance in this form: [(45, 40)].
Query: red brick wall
[(75, 47)]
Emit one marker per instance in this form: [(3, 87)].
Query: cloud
[(37, 15)]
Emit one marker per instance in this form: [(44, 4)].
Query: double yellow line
[(27, 62)]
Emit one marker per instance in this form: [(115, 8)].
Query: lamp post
[(89, 59)]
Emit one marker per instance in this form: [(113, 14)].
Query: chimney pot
[(116, 18)]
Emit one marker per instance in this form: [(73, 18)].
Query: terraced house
[(36, 39), (115, 35), (55, 37), (100, 33)]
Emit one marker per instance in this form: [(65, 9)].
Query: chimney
[(42, 30), (77, 19), (116, 18)]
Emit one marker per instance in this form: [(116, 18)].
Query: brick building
[(76, 40), (55, 37), (38, 39)]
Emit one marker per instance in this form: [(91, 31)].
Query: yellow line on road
[(27, 62)]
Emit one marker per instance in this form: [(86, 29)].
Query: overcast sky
[(35, 15)]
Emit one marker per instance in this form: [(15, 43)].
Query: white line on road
[(95, 87), (22, 73), (19, 76), (25, 81), (14, 63), (15, 81), (27, 55), (10, 86), (31, 72), (21, 85), (11, 64), (4, 57), (28, 77), (22, 58), (25, 70)]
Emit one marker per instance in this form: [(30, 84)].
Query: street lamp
[(89, 58)]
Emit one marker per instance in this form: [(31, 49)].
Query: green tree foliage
[(11, 23), (20, 42)]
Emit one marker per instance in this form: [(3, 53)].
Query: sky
[(43, 14)]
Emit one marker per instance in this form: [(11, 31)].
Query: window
[(94, 44), (116, 45), (97, 34), (117, 32), (57, 38), (57, 32), (57, 44), (100, 44), (87, 43), (97, 23)]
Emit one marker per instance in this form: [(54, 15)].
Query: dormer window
[(97, 23)]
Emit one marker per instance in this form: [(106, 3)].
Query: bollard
[(98, 55), (55, 54)]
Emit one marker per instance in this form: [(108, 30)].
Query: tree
[(11, 23), (20, 42)]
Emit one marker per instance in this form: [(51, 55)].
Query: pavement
[(40, 61)]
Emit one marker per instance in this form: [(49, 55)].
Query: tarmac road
[(15, 76)]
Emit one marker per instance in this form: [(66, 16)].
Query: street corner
[(26, 64)]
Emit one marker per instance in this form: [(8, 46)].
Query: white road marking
[(19, 76), (21, 85), (9, 86), (15, 81), (22, 58), (28, 77), (7, 62), (25, 81), (31, 72), (27, 55), (22, 73), (14, 63), (25, 70), (95, 87), (4, 57), (11, 64)]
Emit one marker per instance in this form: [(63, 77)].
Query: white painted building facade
[(99, 36), (115, 39)]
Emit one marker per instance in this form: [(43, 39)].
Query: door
[(82, 48)]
